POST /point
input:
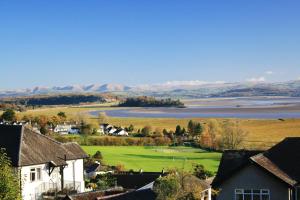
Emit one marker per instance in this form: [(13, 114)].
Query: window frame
[(35, 172), (262, 192)]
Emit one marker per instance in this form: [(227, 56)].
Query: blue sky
[(61, 42)]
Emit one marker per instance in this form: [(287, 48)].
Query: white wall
[(30, 190), (74, 172)]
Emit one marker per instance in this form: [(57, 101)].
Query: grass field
[(156, 158)]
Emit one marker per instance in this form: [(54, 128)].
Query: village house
[(270, 175), (42, 163), (64, 129), (109, 129)]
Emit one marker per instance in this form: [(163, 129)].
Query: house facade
[(43, 164), (270, 175)]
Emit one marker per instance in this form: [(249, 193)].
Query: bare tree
[(233, 135)]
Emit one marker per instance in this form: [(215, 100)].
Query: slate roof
[(282, 161), (231, 162), (92, 168), (286, 155), (268, 165), (26, 147)]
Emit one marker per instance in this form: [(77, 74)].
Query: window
[(35, 174), (252, 194)]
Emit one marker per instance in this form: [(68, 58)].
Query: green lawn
[(156, 158)]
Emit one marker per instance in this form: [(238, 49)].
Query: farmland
[(156, 158)]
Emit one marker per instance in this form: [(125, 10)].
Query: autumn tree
[(233, 135), (146, 131), (213, 130)]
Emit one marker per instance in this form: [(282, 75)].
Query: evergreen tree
[(191, 127), (178, 131), (9, 115)]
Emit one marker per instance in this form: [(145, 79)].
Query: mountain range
[(175, 89)]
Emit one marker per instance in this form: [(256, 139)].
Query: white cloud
[(269, 72), (256, 79), (191, 83)]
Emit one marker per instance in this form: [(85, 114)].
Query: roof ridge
[(20, 145)]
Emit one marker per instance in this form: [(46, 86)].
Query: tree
[(9, 184), (213, 129), (43, 121), (183, 131), (98, 155), (62, 116), (158, 132), (233, 135), (102, 118), (198, 129), (146, 131), (194, 128), (191, 127), (178, 130), (9, 115), (167, 187), (201, 172), (165, 132), (178, 186), (130, 128)]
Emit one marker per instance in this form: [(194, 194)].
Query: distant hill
[(175, 89), (62, 99), (70, 89)]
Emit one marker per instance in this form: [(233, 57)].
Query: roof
[(268, 165), (92, 168), (231, 162), (282, 161), (136, 180), (26, 147), (147, 194)]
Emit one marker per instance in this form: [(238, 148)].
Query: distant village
[(104, 129)]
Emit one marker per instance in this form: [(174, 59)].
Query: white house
[(120, 132), (62, 129), (111, 130), (42, 163), (66, 129)]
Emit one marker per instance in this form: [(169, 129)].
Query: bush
[(166, 188)]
